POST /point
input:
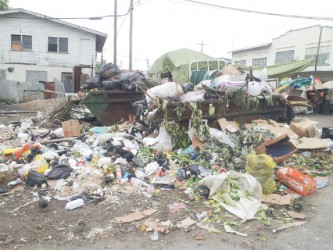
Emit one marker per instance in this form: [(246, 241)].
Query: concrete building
[(35, 47), (294, 45)]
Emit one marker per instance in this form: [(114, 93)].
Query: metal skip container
[(111, 106)]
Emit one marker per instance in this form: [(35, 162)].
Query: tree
[(4, 5)]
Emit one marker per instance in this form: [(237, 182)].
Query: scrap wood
[(68, 139), (294, 224), (17, 112), (61, 113)]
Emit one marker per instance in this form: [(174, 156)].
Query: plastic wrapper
[(262, 168)]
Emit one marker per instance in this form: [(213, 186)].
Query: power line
[(260, 12)]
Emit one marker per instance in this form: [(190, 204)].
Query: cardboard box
[(71, 128), (296, 180), (279, 148), (304, 127)]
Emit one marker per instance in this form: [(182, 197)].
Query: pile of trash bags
[(112, 78)]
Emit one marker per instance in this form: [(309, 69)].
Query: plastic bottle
[(137, 182), (74, 204)]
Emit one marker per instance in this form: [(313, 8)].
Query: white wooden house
[(35, 47)]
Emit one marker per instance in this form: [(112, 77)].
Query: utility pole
[(202, 44), (131, 36), (147, 65), (318, 48), (115, 34)]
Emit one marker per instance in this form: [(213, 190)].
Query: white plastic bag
[(193, 96), (262, 74), (221, 137), (163, 140), (171, 89), (151, 168), (104, 161), (59, 132), (254, 88)]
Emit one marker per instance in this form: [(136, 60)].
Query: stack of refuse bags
[(112, 78)]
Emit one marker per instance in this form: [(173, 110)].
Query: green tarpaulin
[(284, 70), (177, 62)]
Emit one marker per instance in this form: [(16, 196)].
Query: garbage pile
[(236, 168), (112, 78), (230, 91)]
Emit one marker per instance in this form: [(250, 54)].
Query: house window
[(259, 62), (21, 43), (240, 62), (58, 44), (284, 56), (323, 55)]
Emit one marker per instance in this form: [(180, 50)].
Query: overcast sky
[(164, 25)]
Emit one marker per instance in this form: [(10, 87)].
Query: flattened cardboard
[(278, 130), (296, 215), (71, 128), (277, 199), (304, 127), (311, 143), (282, 140), (230, 126), (197, 143)]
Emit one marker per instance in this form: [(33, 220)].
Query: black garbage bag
[(60, 171), (181, 174), (192, 171), (126, 154), (208, 95), (35, 178), (202, 191), (188, 87), (3, 189), (92, 83), (111, 85), (109, 70), (129, 86)]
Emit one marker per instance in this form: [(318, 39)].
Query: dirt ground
[(24, 225)]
